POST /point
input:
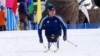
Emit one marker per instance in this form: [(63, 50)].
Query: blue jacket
[(23, 7), (52, 25)]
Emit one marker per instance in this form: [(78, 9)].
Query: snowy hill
[(26, 43)]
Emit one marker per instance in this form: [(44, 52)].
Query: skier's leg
[(57, 40), (58, 44), (48, 39), (48, 45)]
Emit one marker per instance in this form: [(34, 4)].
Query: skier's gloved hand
[(64, 38), (41, 40)]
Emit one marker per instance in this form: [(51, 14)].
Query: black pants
[(23, 21), (3, 28), (52, 38)]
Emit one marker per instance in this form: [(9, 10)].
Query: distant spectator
[(23, 12), (2, 19)]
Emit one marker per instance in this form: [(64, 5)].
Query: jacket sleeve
[(40, 34), (63, 25), (25, 8), (64, 28), (40, 31), (40, 27)]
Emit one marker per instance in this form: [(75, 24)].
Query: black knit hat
[(50, 7)]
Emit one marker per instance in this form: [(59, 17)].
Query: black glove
[(64, 38), (41, 40)]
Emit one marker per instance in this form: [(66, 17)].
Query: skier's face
[(52, 12)]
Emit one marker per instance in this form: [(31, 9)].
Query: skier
[(52, 24)]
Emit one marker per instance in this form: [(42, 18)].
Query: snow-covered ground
[(26, 43)]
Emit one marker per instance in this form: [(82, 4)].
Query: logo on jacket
[(55, 20), (48, 22)]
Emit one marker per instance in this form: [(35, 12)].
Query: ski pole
[(44, 46), (71, 43)]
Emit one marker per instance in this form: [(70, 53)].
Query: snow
[(26, 43)]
